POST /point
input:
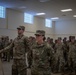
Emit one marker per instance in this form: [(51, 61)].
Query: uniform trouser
[(72, 65), (38, 71), (59, 65), (19, 67)]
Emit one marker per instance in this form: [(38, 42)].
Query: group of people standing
[(64, 55), (4, 42), (43, 56)]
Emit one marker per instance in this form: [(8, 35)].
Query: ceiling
[(50, 7)]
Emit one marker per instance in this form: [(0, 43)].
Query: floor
[(5, 68)]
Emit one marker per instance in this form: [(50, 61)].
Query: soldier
[(66, 50), (41, 56), (11, 51), (59, 58), (31, 40), (72, 55), (6, 54), (20, 47)]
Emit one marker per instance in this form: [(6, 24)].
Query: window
[(2, 12), (28, 18), (48, 23)]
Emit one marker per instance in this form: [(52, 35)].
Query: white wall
[(16, 18), (65, 28)]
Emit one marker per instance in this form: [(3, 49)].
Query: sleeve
[(7, 48), (51, 55), (27, 45)]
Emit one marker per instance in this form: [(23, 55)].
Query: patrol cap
[(21, 27), (40, 32)]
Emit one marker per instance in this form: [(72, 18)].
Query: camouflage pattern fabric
[(72, 56), (20, 47), (59, 57), (40, 59)]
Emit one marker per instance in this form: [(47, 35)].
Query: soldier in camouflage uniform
[(59, 57), (11, 51), (72, 55), (66, 50), (6, 54), (31, 40), (1, 46), (41, 56), (20, 47)]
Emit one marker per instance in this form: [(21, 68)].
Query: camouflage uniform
[(40, 59), (59, 57), (31, 41), (66, 50), (2, 41), (72, 57), (20, 47), (1, 46), (11, 51), (6, 54)]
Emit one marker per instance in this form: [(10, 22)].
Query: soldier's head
[(48, 38), (6, 37), (72, 38), (65, 39), (20, 29), (40, 35), (2, 38), (59, 39)]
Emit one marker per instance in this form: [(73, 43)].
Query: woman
[(41, 56)]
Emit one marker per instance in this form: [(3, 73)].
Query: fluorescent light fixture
[(74, 15), (22, 7), (40, 14), (54, 18), (43, 0), (66, 10)]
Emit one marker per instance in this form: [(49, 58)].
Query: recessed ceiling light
[(74, 15), (66, 10), (54, 18), (40, 14)]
